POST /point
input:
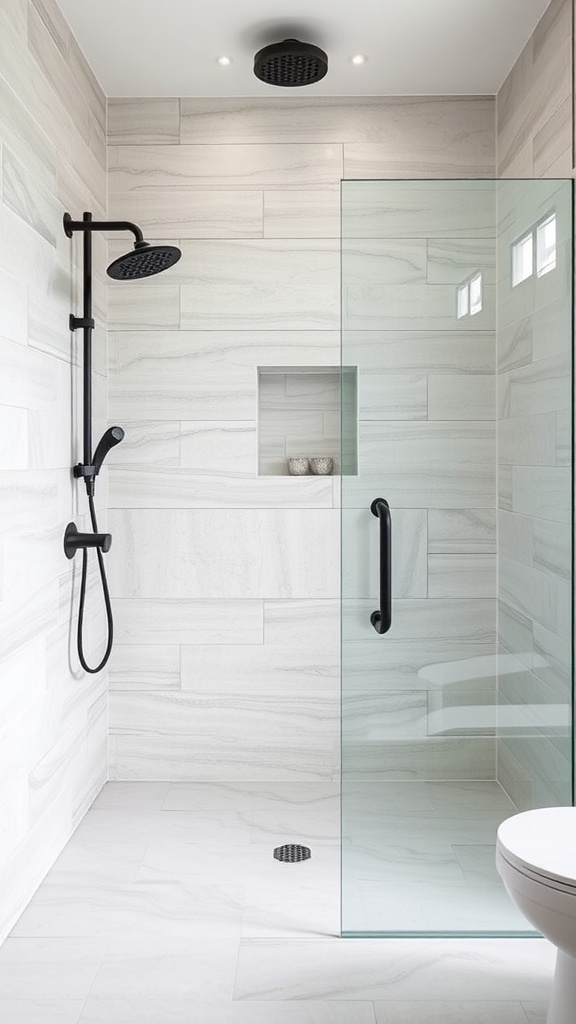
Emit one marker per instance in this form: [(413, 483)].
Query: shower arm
[(86, 469)]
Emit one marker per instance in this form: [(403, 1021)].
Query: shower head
[(144, 261), (110, 438), (290, 63)]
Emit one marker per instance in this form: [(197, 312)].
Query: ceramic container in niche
[(298, 466), (322, 465)]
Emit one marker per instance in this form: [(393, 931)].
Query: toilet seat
[(541, 845)]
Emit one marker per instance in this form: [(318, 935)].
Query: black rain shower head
[(290, 63), (144, 261)]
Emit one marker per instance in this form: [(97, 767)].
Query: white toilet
[(536, 859)]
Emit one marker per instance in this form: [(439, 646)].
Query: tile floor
[(419, 856), (167, 907)]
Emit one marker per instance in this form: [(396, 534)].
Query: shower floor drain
[(292, 853)]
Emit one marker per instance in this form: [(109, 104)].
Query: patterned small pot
[(298, 466), (322, 465)]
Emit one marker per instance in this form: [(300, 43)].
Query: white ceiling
[(169, 47)]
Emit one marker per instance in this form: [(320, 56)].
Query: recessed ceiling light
[(358, 58), (224, 62)]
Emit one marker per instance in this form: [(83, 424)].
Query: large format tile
[(40, 1011), (264, 668), (49, 968), (180, 1011), (258, 553), (434, 1012), (165, 168), (489, 969)]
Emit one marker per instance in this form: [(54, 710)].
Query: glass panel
[(460, 715), (522, 259), (546, 246)]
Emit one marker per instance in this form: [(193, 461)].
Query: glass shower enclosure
[(457, 529)]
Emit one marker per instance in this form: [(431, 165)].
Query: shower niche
[(301, 412)]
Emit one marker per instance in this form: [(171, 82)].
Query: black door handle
[(382, 618)]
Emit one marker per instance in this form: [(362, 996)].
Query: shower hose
[(107, 602)]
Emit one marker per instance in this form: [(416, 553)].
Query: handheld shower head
[(144, 261), (112, 437)]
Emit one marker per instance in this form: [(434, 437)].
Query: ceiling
[(169, 47)]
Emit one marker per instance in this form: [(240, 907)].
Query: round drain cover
[(292, 853)]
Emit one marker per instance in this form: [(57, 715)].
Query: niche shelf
[(300, 409)]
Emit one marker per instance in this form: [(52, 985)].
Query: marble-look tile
[(370, 717), (156, 756), (501, 1012), (29, 199), (461, 397), (360, 574), (25, 138), (257, 553), (464, 620), (260, 669), (143, 121), (49, 968), (148, 795), (40, 1011), (541, 491), (537, 85), (431, 758), (173, 910), (367, 263), (153, 621), (155, 306), (145, 667), (180, 1011), (226, 716), (411, 307), (535, 1012), (227, 448), (143, 357), (175, 214), (251, 795), (490, 969), (13, 311), (385, 396), (156, 967), (451, 262), (148, 443), (514, 344), (302, 622), (413, 664), (266, 284), (552, 143), (552, 551), (182, 488), (541, 387), (388, 209), (138, 168), (312, 214), (400, 121), (451, 531), (532, 592), (461, 575), (58, 73), (13, 438), (478, 864), (423, 352), (463, 909)]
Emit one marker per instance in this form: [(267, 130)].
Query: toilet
[(536, 859)]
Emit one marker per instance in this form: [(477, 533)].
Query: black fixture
[(144, 261), (292, 853), (382, 619), (290, 64)]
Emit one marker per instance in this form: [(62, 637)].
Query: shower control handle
[(73, 540), (382, 618)]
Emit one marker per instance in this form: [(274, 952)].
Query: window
[(523, 259), (546, 246), (469, 297), (463, 301), (535, 251), (475, 294)]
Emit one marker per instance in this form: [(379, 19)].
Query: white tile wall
[(53, 748), (205, 547)]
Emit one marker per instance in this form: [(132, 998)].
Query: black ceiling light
[(290, 63)]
